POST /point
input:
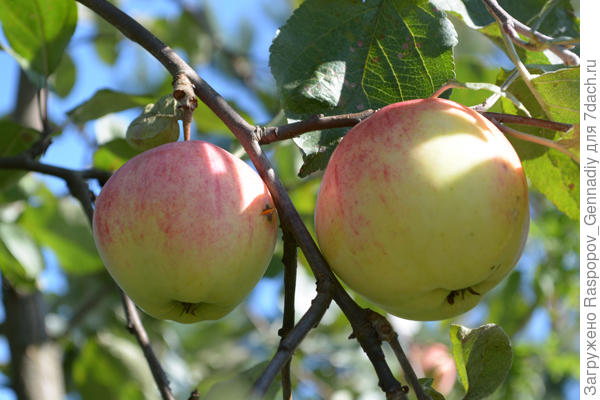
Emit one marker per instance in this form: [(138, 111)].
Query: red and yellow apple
[(183, 230), (423, 208)]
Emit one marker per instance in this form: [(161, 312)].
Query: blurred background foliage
[(46, 243)]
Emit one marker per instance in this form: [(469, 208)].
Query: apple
[(423, 208), (434, 360), (186, 230)]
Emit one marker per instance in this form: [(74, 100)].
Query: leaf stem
[(490, 101)]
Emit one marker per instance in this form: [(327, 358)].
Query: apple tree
[(93, 84)]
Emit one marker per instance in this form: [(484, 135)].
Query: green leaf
[(106, 101), (336, 56), (61, 225), (20, 258), (315, 160), (551, 172), (111, 155), (483, 358), (38, 31), (63, 79), (14, 139), (427, 383), (155, 126), (560, 92), (472, 12)]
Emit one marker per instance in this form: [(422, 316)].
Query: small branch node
[(382, 326), (187, 102)]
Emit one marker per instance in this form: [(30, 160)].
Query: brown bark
[(36, 361)]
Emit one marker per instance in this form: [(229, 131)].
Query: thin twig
[(521, 120), (537, 139), (134, 324), (386, 333), (290, 342), (318, 122), (513, 27), (74, 179), (290, 263)]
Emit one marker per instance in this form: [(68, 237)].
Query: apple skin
[(423, 208), (181, 229)]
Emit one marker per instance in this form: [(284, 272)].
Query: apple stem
[(537, 139), (449, 85), (187, 124), (497, 90)]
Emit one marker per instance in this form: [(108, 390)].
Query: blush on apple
[(423, 208), (183, 230)]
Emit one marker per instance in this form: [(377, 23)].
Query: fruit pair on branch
[(423, 208)]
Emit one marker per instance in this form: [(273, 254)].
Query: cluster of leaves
[(330, 57)]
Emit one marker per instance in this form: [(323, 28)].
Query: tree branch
[(318, 122), (290, 264), (513, 27), (386, 333), (134, 324), (74, 179)]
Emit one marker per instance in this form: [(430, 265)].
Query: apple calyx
[(461, 292)]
